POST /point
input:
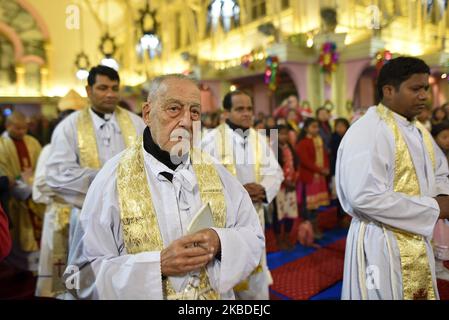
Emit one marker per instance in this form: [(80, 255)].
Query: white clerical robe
[(271, 177), (65, 175), (106, 271), (364, 178), (42, 193)]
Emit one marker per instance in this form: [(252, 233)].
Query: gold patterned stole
[(226, 152), (139, 219), (87, 141), (416, 276)]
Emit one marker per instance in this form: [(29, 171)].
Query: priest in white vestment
[(392, 179), (86, 139), (248, 156), (133, 230)]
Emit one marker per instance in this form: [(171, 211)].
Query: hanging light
[(149, 41), (108, 49), (107, 46), (82, 60), (224, 11)]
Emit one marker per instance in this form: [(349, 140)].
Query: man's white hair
[(157, 82)]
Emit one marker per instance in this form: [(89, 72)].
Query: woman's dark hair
[(306, 125), (398, 70), (343, 121), (438, 128), (434, 112)]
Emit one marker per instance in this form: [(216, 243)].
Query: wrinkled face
[(242, 111), (17, 129), (313, 129), (340, 129), (442, 139), (172, 115), (411, 97), (104, 94)]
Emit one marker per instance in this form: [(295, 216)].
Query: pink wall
[(213, 100), (353, 70), (298, 73), (261, 98)]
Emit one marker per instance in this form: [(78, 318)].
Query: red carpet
[(443, 289), (307, 276)]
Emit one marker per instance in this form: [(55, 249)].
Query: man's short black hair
[(104, 71), (398, 70), (227, 100)]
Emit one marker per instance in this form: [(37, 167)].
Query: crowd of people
[(105, 210)]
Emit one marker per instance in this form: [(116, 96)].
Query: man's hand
[(256, 192), (190, 253), (443, 203), (306, 235), (325, 172)]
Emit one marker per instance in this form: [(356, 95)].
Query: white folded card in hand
[(202, 220)]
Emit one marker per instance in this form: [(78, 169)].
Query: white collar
[(99, 121)]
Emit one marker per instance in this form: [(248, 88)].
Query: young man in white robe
[(392, 179), (247, 156), (85, 140), (133, 230)]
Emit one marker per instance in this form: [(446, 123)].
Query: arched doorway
[(365, 93)]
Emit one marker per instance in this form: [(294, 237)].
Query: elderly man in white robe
[(247, 156), (392, 179), (86, 139), (134, 236)]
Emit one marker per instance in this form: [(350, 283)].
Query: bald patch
[(158, 86)]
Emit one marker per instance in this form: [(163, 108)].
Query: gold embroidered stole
[(226, 153), (416, 276), (139, 220), (87, 141)]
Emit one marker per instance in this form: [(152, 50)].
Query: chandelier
[(149, 41), (224, 12), (107, 45), (82, 63)]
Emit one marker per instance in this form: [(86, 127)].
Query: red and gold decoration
[(381, 58), (248, 59), (272, 72), (328, 59)]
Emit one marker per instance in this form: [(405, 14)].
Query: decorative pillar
[(20, 79), (44, 80)]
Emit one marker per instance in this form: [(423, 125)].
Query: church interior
[(327, 54)]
